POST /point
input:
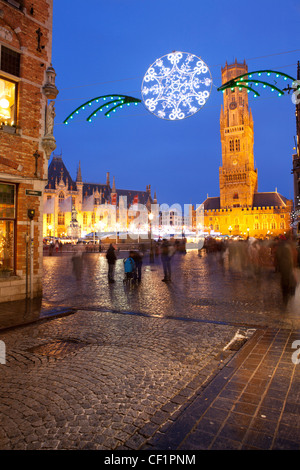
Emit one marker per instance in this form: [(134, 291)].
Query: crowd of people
[(252, 256), (255, 256), (161, 249)]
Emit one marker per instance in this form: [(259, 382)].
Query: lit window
[(61, 218), (7, 228), (7, 102)]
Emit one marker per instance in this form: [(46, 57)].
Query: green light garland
[(241, 83), (116, 101)]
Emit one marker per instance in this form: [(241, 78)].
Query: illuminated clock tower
[(237, 175)]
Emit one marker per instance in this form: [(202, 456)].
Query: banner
[(49, 206), (66, 205), (88, 204)]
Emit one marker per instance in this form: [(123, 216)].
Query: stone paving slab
[(146, 368), (253, 403), (91, 380)]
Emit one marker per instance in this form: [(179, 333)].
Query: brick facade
[(26, 140)]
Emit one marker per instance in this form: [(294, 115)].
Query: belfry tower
[(237, 175)]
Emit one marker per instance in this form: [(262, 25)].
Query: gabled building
[(241, 209), (89, 200)]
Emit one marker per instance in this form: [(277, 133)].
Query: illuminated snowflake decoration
[(176, 86)]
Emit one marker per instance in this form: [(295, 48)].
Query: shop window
[(7, 102), (7, 228)]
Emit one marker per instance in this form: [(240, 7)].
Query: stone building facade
[(27, 94), (241, 209), (91, 203)]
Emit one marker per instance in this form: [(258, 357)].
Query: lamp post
[(150, 217), (230, 228)]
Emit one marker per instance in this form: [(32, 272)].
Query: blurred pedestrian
[(285, 263), (77, 263), (166, 259), (111, 260), (138, 260)]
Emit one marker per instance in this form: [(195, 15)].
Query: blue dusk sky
[(106, 46)]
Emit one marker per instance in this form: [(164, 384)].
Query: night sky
[(103, 47)]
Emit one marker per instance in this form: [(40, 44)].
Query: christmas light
[(176, 86), (116, 101)]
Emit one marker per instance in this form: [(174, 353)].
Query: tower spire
[(79, 177)]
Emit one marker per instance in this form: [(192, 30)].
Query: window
[(61, 218), (15, 3), (235, 196), (10, 61), (237, 145), (231, 146), (61, 197), (7, 102), (84, 218), (7, 228)]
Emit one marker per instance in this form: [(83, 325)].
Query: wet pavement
[(203, 362)]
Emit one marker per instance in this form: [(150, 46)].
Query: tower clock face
[(232, 105), (234, 162)]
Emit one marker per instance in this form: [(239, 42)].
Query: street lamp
[(150, 217), (230, 228)]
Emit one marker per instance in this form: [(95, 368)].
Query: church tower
[(237, 175)]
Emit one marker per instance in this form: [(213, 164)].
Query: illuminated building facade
[(90, 203), (241, 209), (27, 94)]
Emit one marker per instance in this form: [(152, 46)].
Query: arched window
[(231, 145), (61, 218), (61, 197), (237, 145)]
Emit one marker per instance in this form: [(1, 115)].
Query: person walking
[(166, 260), (138, 259), (111, 260), (285, 264)]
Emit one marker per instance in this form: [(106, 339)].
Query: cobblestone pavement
[(201, 363)]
